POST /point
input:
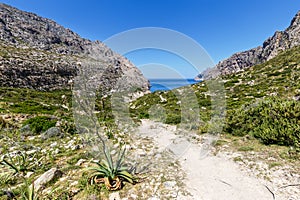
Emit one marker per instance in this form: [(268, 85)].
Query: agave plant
[(111, 173), (20, 163)]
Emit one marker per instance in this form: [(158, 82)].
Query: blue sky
[(220, 27)]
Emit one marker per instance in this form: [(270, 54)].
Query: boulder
[(45, 178), (26, 131), (52, 132)]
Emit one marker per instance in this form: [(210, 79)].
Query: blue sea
[(169, 84)]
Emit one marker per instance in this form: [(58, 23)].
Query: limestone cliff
[(38, 53)]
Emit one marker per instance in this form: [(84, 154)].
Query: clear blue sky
[(221, 27)]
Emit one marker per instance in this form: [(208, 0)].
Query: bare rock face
[(280, 41), (38, 53)]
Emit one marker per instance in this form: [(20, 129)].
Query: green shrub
[(40, 124), (173, 119), (143, 115), (235, 122), (273, 121), (68, 127)]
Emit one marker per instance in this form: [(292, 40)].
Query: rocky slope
[(38, 53), (280, 41)]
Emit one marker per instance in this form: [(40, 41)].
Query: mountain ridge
[(271, 47)]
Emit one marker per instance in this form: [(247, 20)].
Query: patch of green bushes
[(273, 121), (28, 101), (40, 124), (32, 107), (173, 119)]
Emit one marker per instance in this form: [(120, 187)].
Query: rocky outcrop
[(38, 53), (280, 41)]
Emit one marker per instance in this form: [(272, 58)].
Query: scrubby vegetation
[(262, 104), (272, 120), (251, 110), (40, 124), (25, 115), (28, 101)]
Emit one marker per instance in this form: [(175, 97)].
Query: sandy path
[(208, 177)]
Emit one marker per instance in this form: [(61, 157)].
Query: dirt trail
[(208, 177)]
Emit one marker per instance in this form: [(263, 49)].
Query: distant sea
[(169, 84)]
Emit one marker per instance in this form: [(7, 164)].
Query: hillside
[(40, 54), (277, 78), (162, 151), (280, 41), (63, 148)]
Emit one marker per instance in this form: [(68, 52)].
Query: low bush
[(173, 119), (40, 124)]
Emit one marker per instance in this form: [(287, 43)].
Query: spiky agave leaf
[(126, 176), (108, 160), (11, 165), (120, 159), (99, 172)]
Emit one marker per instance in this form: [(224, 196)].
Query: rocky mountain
[(280, 41), (38, 53)]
